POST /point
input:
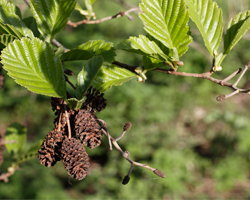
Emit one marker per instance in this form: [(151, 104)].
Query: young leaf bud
[(159, 173), (68, 72), (126, 180), (221, 97), (127, 126)]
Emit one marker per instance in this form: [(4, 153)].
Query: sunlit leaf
[(111, 75), (8, 15), (237, 27), (51, 15), (90, 49), (5, 40), (10, 30), (166, 21), (143, 46), (207, 16), (33, 65)]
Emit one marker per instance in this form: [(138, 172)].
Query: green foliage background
[(202, 145)]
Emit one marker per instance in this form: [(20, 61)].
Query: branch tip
[(159, 173)]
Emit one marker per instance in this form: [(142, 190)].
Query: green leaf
[(86, 76), (10, 30), (143, 46), (8, 15), (33, 65), (30, 22), (51, 15), (207, 16), (16, 135), (111, 75), (237, 27), (5, 40), (90, 49), (88, 4), (166, 21), (74, 103), (150, 63)]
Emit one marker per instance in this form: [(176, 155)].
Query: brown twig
[(7, 142), (120, 14), (206, 75), (126, 154), (125, 66)]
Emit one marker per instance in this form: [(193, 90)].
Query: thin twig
[(8, 142), (242, 74), (232, 75), (125, 154), (67, 118), (120, 14)]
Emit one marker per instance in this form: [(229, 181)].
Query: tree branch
[(120, 14), (126, 154)]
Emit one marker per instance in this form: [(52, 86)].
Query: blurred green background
[(178, 126)]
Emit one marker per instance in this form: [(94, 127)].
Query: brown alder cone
[(75, 158), (88, 128), (95, 100), (49, 153)]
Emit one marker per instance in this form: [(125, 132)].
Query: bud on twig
[(159, 173), (68, 72), (221, 97), (126, 180), (127, 126)]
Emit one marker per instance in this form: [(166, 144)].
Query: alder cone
[(95, 100), (75, 158), (88, 128), (49, 153)]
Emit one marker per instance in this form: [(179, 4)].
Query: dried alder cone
[(68, 145), (75, 158), (88, 129)]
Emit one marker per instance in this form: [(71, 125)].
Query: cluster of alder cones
[(73, 130)]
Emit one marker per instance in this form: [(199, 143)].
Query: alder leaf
[(207, 16), (8, 15), (86, 76), (16, 136), (90, 49), (10, 30), (237, 27), (143, 46), (32, 64), (110, 75), (166, 21), (51, 15), (5, 40)]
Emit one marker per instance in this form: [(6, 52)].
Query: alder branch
[(206, 75), (120, 14), (126, 154)]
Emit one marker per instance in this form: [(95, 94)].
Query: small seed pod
[(75, 158)]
